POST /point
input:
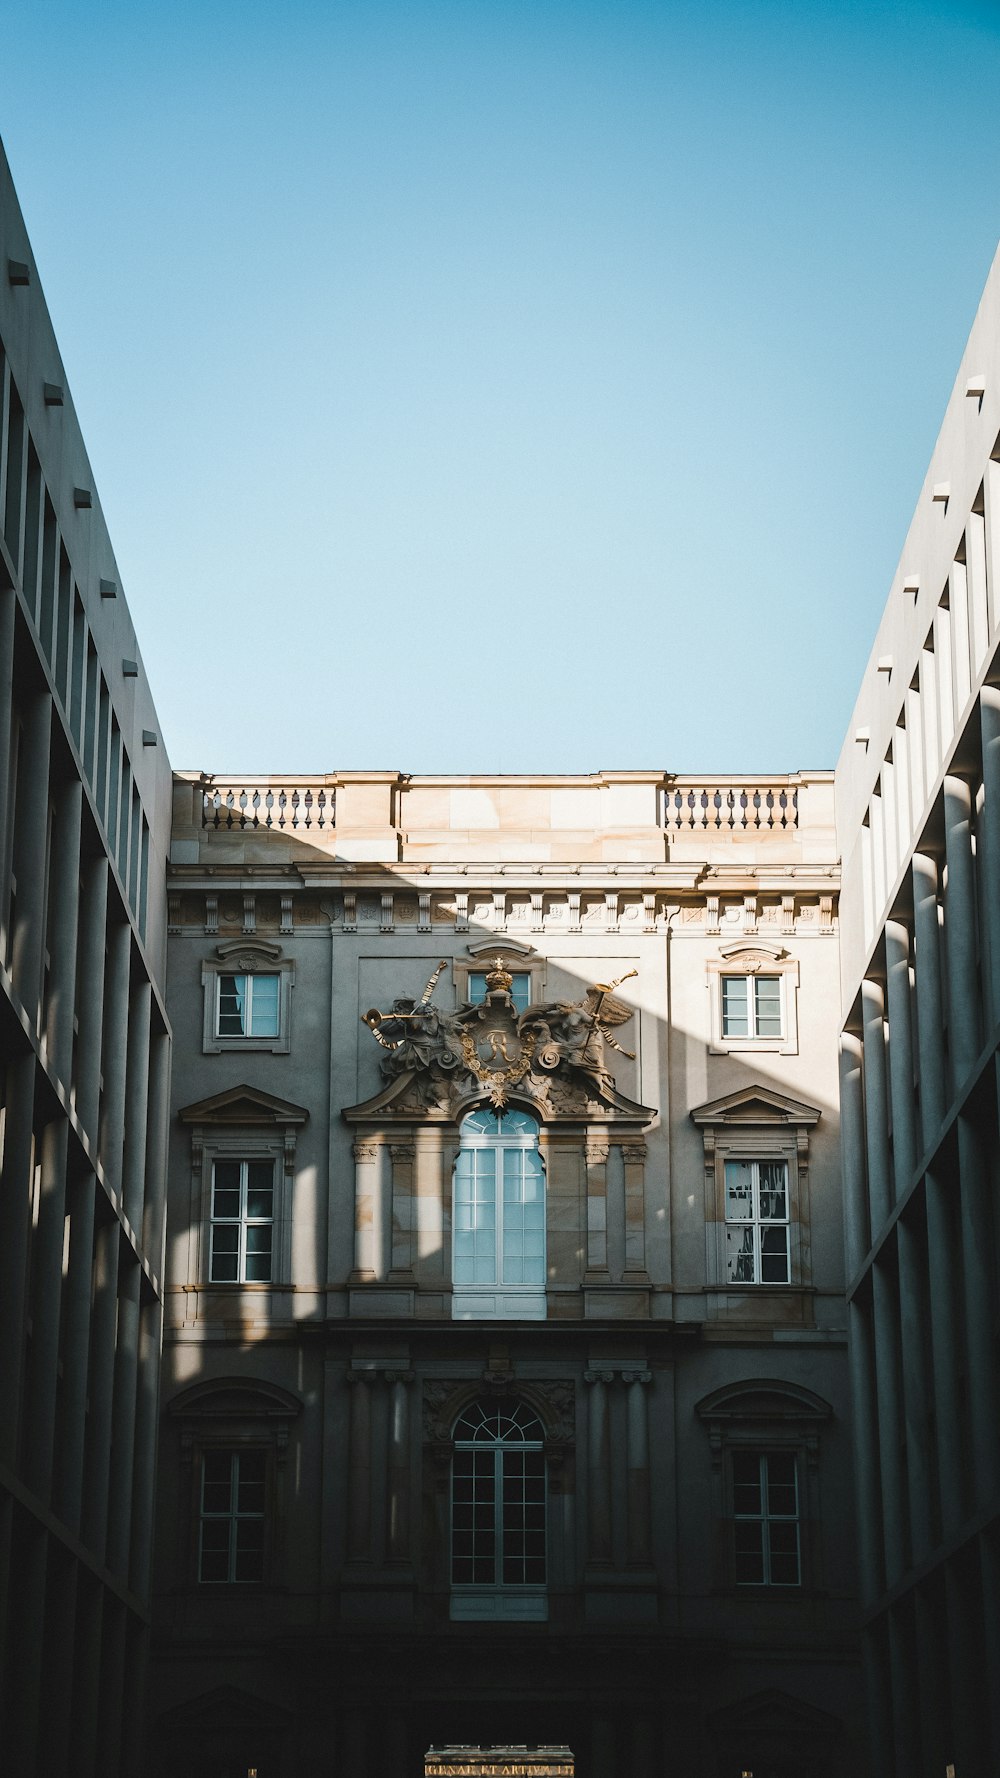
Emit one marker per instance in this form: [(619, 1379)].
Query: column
[(598, 1467), (977, 1211), (930, 1002), (596, 1154), (634, 1160), (123, 1418), (876, 1107), (90, 1010), (638, 1533), (864, 1414), (897, 967), (136, 1105), (103, 1328), (960, 929), (114, 1051), (398, 1479), (402, 1154), (157, 1114), (359, 1500), (8, 608), (945, 1326), (366, 1155), (888, 1387), (852, 1152), (42, 1369), (144, 1471), (64, 908), (15, 1210), (68, 1482), (917, 1387), (31, 823), (988, 843)]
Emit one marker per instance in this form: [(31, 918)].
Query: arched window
[(498, 1513), (498, 1250)]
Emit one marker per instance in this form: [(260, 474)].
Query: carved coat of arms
[(553, 1051)]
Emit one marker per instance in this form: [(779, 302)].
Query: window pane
[(774, 1256), (224, 1266), (259, 1254), (226, 1203), (767, 1005), (227, 1175), (249, 1550), (773, 1188), (739, 1191), (260, 1200), (735, 1007), (784, 1544), (749, 1552), (746, 1483), (232, 1006), (264, 1006), (739, 1255)]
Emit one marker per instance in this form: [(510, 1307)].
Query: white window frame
[(251, 992), (500, 1600), (498, 1299), (242, 1222), (750, 958), (247, 957), (233, 1517), (765, 1518), (756, 1222)]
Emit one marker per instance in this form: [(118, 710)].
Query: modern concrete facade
[(667, 1363), (84, 827), (918, 813)]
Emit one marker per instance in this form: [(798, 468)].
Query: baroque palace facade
[(505, 1370)]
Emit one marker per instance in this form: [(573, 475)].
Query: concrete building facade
[(84, 1066), (504, 1386), (918, 813)]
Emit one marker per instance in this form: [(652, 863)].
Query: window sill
[(527, 1605)]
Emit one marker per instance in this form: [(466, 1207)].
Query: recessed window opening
[(242, 1222), (520, 991), (766, 1519), (757, 1223), (498, 1248), (247, 1006), (231, 1529), (751, 1006), (498, 1512)]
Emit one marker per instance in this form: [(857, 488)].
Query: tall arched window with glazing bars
[(498, 1513)]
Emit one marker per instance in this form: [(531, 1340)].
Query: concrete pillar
[(15, 1211), (398, 1489), (930, 1000), (960, 932), (598, 1467), (989, 1556), (123, 1417), (876, 1107), (917, 1386), (359, 1501), (136, 1104), (86, 1690), (932, 1665), (988, 844), (64, 910), (42, 1371), (639, 1531), (25, 1650), (963, 1643), (945, 1345), (68, 1482), (979, 1302), (8, 608), (898, 1008), (31, 826), (144, 1470), (90, 1012), (103, 1328), (888, 1386), (114, 1050), (852, 1152), (905, 1701), (55, 1745), (866, 1466), (157, 1115)]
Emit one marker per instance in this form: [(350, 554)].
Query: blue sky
[(478, 387)]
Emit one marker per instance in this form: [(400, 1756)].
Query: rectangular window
[(247, 1006), (231, 1540), (499, 1243), (766, 1519), (751, 1006), (757, 1230), (242, 1222), (520, 991)]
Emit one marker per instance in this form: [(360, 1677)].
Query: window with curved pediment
[(498, 1218), (498, 1513), (765, 1440), (753, 993)]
